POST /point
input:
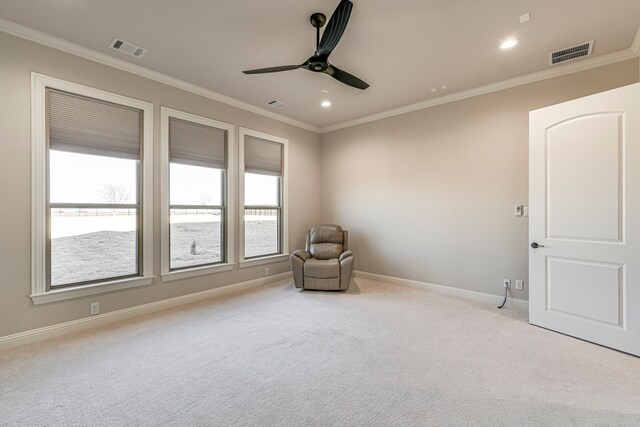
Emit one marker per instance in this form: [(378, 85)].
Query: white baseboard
[(449, 290), (46, 332)]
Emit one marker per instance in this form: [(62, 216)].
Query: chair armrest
[(297, 260), (344, 255), (303, 255), (346, 268)]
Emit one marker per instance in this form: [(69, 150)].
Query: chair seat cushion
[(322, 268)]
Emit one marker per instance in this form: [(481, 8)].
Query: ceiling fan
[(319, 62)]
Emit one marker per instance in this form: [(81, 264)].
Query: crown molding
[(30, 34), (635, 46), (48, 40), (583, 65)]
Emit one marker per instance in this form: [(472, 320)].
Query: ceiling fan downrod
[(318, 20)]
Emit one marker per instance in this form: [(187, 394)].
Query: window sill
[(86, 290), (264, 260), (196, 271)]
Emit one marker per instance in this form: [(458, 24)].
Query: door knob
[(535, 245)]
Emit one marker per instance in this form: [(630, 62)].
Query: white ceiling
[(402, 48)]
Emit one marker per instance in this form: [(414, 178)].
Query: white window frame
[(39, 130), (284, 209), (229, 197)]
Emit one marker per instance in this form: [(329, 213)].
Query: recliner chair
[(325, 264)]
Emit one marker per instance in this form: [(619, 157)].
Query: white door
[(584, 196)]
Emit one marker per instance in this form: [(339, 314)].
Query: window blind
[(197, 145), (262, 156), (89, 126)]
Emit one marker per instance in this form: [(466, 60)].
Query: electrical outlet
[(506, 283), (95, 308), (517, 210), (519, 285), (267, 271)]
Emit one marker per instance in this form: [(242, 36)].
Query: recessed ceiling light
[(508, 43), (326, 104)]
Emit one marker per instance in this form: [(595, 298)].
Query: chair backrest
[(326, 241)]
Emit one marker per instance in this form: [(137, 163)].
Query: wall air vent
[(128, 48), (569, 53), (276, 104)]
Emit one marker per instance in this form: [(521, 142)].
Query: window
[(261, 215), (263, 191), (93, 217), (197, 237), (91, 192)]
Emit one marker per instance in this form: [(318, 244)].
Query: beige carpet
[(379, 355)]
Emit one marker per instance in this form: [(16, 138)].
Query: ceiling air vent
[(569, 53), (128, 48), (276, 104)]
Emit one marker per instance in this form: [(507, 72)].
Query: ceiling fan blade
[(335, 28), (346, 78), (273, 69)]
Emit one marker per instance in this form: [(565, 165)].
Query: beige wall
[(18, 58), (429, 195), (426, 195)]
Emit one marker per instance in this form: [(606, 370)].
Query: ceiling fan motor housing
[(318, 66)]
